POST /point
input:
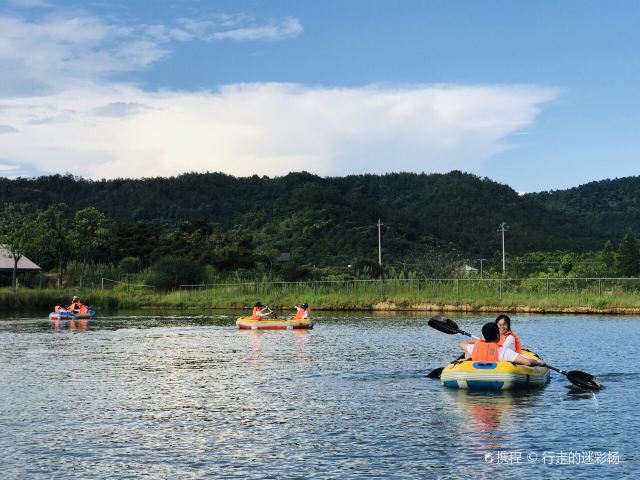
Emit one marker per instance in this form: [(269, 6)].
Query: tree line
[(238, 227), (196, 252), (53, 235), (315, 218)]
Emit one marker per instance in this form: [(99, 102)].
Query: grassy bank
[(283, 299), (46, 299)]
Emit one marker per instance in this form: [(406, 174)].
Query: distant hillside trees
[(56, 236), (172, 271), (627, 260), (88, 235), (320, 220), (237, 228)]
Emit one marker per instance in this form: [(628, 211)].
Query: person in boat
[(489, 350), (261, 311), (77, 306), (302, 311), (507, 337)]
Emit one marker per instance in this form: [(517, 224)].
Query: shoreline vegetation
[(113, 300), (218, 248)]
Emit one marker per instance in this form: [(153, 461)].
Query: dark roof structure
[(24, 264)]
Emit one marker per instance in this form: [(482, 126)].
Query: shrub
[(129, 265), (171, 272)]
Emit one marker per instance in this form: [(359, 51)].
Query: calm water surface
[(192, 397)]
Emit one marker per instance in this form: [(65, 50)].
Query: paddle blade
[(445, 325), (435, 373), (583, 380)]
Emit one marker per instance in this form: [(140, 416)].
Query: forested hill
[(612, 205), (315, 217)]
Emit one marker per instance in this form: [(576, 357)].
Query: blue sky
[(537, 95)]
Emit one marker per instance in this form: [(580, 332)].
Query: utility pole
[(379, 243), (481, 260), (501, 228)]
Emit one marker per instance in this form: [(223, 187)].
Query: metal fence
[(436, 287), (110, 283)]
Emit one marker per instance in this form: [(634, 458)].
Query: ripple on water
[(188, 397)]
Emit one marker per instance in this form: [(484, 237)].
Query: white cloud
[(6, 168), (7, 129), (238, 27), (268, 129), (288, 28), (65, 50), (118, 109), (62, 51), (64, 113)]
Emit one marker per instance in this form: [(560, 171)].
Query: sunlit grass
[(463, 296)]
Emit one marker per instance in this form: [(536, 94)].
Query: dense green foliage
[(18, 230), (315, 217), (628, 258), (236, 228), (170, 272), (612, 206)]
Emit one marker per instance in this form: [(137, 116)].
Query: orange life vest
[(256, 314), (503, 337), (300, 314), (485, 351), (77, 306)]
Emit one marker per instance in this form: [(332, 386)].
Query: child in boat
[(302, 311), (261, 312), (489, 350), (77, 306), (507, 337)]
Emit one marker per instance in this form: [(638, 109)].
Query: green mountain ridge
[(333, 219), (612, 204)]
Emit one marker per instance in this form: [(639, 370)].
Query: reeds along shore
[(283, 299)]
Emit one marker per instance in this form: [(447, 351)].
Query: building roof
[(469, 269), (6, 262)]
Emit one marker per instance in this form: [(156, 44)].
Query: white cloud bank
[(271, 129), (62, 51), (61, 111)]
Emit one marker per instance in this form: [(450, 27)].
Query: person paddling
[(489, 350), (302, 311), (77, 306), (507, 337), (260, 312)]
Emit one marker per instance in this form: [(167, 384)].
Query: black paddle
[(446, 325), (438, 371), (435, 373), (578, 378)]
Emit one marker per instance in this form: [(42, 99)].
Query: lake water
[(191, 397)]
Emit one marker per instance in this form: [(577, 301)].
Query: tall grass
[(46, 299), (568, 295)]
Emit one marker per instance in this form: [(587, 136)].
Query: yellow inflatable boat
[(248, 323), (468, 374)]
